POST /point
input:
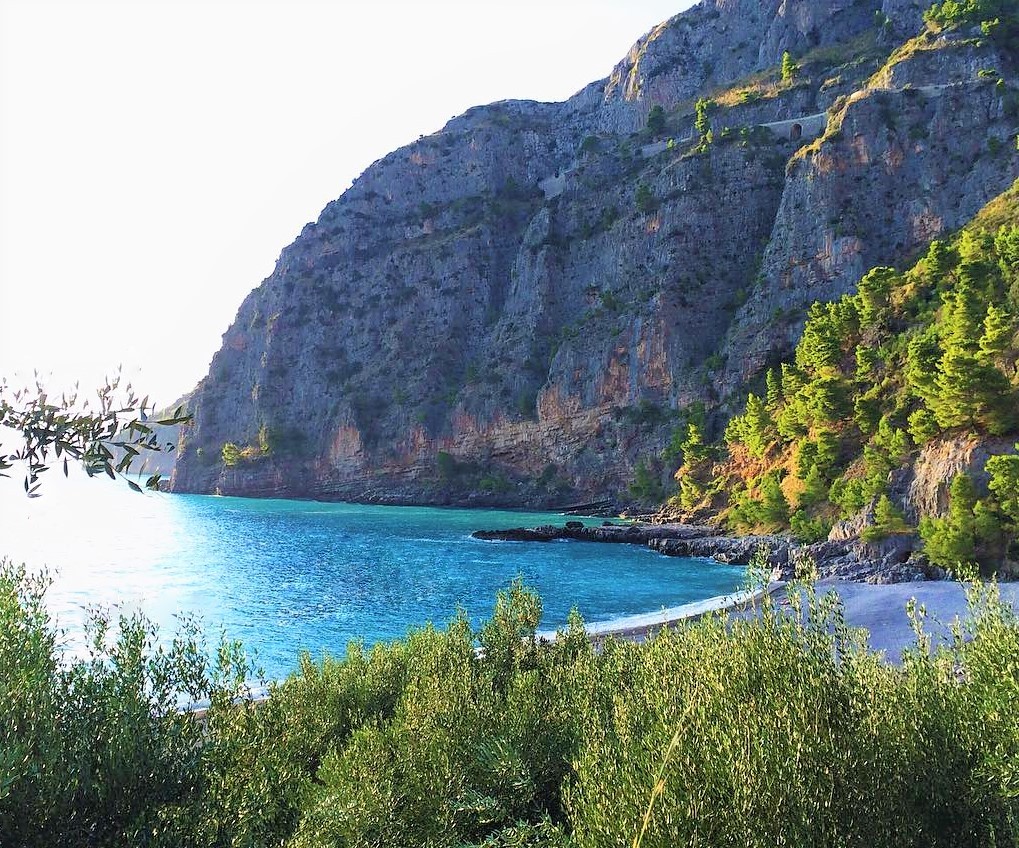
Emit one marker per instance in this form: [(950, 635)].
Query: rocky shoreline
[(891, 560)]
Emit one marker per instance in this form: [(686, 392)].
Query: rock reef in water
[(888, 561)]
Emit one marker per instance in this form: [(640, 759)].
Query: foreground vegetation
[(783, 730)]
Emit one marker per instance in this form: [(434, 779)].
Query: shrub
[(645, 200), (231, 454), (656, 120), (646, 485), (94, 751), (446, 465), (752, 731), (808, 530)]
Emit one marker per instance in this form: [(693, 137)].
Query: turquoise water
[(284, 576)]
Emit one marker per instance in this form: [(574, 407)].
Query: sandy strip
[(639, 626), (880, 609)]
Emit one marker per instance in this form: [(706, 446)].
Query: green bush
[(777, 730), (656, 120), (644, 199), (94, 751)]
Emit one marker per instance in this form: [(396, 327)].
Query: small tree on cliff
[(702, 120), (789, 68), (656, 120)]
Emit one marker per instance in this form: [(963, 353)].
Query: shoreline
[(879, 609), (894, 559), (640, 625)]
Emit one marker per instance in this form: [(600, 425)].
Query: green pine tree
[(774, 506), (874, 295), (888, 519), (789, 68), (999, 333), (951, 541), (815, 489), (1004, 483), (774, 389), (959, 384), (758, 425), (693, 448)]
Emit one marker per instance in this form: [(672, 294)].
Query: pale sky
[(156, 156)]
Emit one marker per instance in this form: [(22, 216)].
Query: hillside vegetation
[(911, 358)]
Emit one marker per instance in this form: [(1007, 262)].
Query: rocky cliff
[(513, 309)]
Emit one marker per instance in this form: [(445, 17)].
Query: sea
[(285, 576)]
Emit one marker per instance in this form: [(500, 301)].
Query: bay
[(286, 576)]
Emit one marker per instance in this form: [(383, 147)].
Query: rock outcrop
[(887, 561), (512, 309)]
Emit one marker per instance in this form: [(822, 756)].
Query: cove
[(286, 576)]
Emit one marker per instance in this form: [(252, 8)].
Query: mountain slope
[(516, 308), (898, 411)]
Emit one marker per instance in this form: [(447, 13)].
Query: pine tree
[(789, 68), (867, 361), (887, 520), (938, 259), (815, 489), (828, 447), (959, 383), (873, 295), (774, 389), (691, 493), (923, 358), (757, 435), (693, 448), (702, 119), (999, 333), (792, 380), (959, 388), (1006, 246), (774, 506), (1004, 483), (951, 541), (888, 517), (923, 426)]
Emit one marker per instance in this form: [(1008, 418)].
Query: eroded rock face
[(924, 487), (897, 168), (509, 310)]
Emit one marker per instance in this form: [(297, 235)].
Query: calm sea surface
[(283, 576)]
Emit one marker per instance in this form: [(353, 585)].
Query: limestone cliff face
[(511, 310), (914, 154)]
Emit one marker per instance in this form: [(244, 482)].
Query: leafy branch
[(105, 433)]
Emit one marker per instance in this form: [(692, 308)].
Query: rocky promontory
[(518, 308), (889, 561)]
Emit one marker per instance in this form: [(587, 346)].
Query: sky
[(156, 156)]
